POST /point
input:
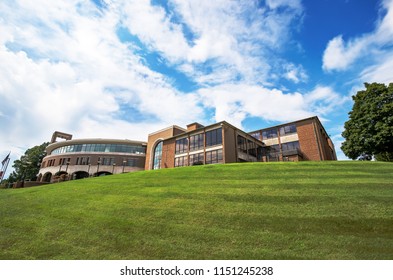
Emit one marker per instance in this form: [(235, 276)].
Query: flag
[(6, 159)]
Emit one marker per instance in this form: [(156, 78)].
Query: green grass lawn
[(305, 210)]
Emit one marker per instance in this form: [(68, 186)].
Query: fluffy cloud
[(340, 55), (234, 102)]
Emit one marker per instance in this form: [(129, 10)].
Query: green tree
[(369, 131), (27, 167)]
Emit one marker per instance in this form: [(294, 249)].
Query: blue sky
[(123, 69)]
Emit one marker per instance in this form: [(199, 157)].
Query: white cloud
[(63, 68), (340, 55), (235, 102), (382, 72), (295, 73)]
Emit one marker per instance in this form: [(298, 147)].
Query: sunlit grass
[(306, 210)]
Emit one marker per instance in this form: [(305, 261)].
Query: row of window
[(102, 148), (273, 132), (274, 149), (132, 162), (196, 142), (247, 146), (211, 157)]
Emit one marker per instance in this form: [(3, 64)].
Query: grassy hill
[(305, 210)]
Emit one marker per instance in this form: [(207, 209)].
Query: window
[(104, 148), (107, 161), (214, 156), (252, 148), (290, 146), (82, 160), (214, 137), (181, 146), (196, 159), (157, 156), (256, 135), (196, 142), (130, 162), (271, 133), (181, 161), (288, 129), (64, 161), (242, 144)]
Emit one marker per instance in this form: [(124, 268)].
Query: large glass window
[(242, 144), (181, 161), (196, 159), (157, 156), (214, 156), (252, 148), (288, 129), (103, 148), (270, 133), (196, 142), (181, 146), (214, 137), (290, 146)]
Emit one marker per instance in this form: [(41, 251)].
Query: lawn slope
[(305, 210)]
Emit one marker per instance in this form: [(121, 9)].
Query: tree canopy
[(369, 131), (27, 167)]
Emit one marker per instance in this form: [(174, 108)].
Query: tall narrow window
[(214, 137), (157, 156), (181, 146)]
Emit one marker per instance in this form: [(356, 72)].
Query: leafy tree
[(369, 131), (27, 167)]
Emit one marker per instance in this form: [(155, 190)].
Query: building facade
[(198, 144), (175, 146), (223, 143), (300, 140), (82, 158)]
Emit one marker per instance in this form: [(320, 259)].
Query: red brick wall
[(307, 140), (168, 153), (153, 139)]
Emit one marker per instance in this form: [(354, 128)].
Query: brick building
[(175, 146), (223, 143)]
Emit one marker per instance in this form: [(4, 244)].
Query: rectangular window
[(290, 146), (196, 142), (107, 161), (252, 148), (288, 129), (214, 156), (130, 162), (181, 161), (271, 133), (196, 159), (181, 146), (214, 137), (242, 144), (256, 135)]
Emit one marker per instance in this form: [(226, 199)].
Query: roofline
[(210, 126), (169, 127), (279, 125)]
